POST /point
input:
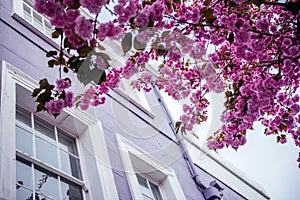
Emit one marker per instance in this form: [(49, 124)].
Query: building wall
[(24, 48)]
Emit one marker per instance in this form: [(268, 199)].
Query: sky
[(272, 166)]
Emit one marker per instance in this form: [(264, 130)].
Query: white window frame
[(136, 160), (13, 77), (148, 181), (18, 13), (36, 162)]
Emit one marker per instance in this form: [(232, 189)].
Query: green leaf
[(209, 15), (138, 45), (50, 87), (44, 97), (43, 83), (51, 53), (102, 77), (104, 56), (101, 47), (84, 51), (51, 63), (67, 44), (127, 42), (36, 91), (75, 5), (40, 107), (89, 72), (206, 2), (165, 33), (231, 38), (56, 33)]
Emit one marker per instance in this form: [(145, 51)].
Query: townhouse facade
[(125, 149)]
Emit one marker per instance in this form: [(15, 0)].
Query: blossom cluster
[(255, 59), (65, 99)]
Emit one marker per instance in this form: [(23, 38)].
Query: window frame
[(18, 14), (150, 181), (137, 161), (57, 133), (36, 163), (88, 130)]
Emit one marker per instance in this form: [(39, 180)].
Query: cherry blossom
[(255, 61)]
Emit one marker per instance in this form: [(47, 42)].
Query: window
[(149, 190), (76, 136), (42, 149), (148, 179), (24, 9)]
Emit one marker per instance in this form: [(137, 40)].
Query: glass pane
[(155, 191), (24, 117), (46, 152), (48, 28), (66, 143), (142, 181), (38, 21), (24, 194), (70, 164), (70, 190), (144, 186), (45, 131), (23, 173), (24, 140), (46, 183), (27, 13)]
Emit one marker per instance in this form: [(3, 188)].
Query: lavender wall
[(26, 50)]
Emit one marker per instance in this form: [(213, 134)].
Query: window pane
[(45, 132), (23, 173), (66, 143), (144, 186), (70, 190), (27, 13), (38, 21), (46, 183), (24, 194), (70, 164), (24, 117), (48, 28), (24, 140), (46, 152), (155, 191)]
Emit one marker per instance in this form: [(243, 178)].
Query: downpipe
[(214, 191)]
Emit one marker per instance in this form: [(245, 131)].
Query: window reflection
[(67, 144), (23, 173), (41, 141), (70, 164), (70, 190), (23, 194), (46, 183), (155, 191)]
